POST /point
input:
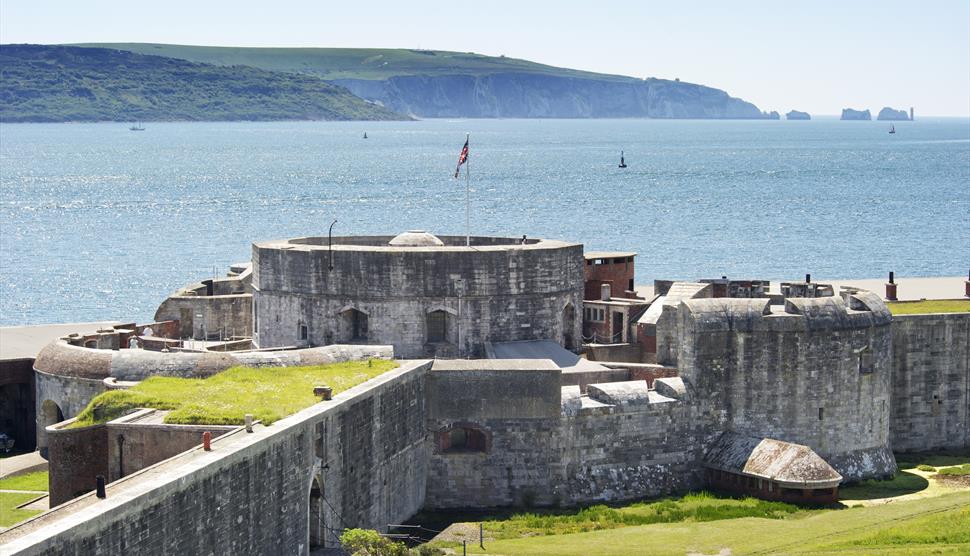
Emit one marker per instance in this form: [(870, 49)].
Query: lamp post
[(330, 242)]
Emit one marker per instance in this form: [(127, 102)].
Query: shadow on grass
[(903, 483)]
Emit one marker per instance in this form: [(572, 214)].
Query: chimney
[(605, 292)]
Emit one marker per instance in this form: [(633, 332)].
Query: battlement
[(859, 309)]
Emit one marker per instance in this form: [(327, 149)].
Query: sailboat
[(136, 127), (892, 128), (365, 135), (622, 162)]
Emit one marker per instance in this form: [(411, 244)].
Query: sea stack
[(860, 115), (796, 115), (889, 114)]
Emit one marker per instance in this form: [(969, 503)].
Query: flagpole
[(468, 236)]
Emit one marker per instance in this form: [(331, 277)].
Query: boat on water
[(136, 127), (365, 135), (622, 162), (892, 128)]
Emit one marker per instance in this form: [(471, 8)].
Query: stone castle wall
[(514, 291), (818, 373), (365, 452), (642, 445), (930, 382)]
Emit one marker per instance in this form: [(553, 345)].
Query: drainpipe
[(330, 243)]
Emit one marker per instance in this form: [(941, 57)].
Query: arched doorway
[(356, 326), (50, 414), (569, 326), (316, 525)]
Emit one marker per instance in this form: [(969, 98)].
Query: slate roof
[(790, 465)]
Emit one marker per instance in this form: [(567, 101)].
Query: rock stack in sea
[(850, 114)]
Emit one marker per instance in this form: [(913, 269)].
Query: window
[(304, 332), (821, 411), (437, 327), (463, 439), (594, 314), (630, 285), (865, 361)]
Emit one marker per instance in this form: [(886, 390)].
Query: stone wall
[(641, 445), (931, 382), (513, 291), (515, 404), (365, 452), (69, 395), (223, 316), (75, 458), (816, 372)]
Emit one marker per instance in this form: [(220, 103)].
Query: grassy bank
[(696, 507), (28, 481), (224, 398), (930, 306), (932, 526)]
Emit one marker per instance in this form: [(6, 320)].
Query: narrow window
[(304, 332), (437, 327), (821, 410)]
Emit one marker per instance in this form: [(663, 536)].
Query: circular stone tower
[(425, 295)]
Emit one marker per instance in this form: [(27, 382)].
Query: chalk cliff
[(850, 114)]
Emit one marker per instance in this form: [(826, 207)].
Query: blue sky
[(818, 56)]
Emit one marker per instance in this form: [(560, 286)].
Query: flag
[(462, 157)]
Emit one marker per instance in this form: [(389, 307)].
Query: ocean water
[(98, 222)]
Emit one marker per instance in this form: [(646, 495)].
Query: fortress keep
[(427, 296)]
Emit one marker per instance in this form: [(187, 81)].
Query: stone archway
[(50, 414), (316, 526), (569, 326)]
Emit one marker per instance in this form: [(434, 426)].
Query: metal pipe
[(330, 242)]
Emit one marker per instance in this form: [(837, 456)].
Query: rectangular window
[(821, 411), (304, 332)]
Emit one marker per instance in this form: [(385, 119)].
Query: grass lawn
[(930, 306), (269, 393), (28, 481), (939, 525), (701, 506), (9, 514)]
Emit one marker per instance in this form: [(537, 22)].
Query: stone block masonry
[(343, 463), (931, 382)]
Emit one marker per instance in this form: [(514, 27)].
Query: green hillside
[(354, 63), (63, 83), (440, 84)]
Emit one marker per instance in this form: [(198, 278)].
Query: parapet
[(63, 359), (628, 395), (479, 389), (859, 310)]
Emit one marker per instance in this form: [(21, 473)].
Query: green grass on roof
[(930, 306), (269, 393)]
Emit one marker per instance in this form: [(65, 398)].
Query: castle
[(781, 396)]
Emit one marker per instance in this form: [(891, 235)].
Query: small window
[(304, 332), (865, 361), (630, 286), (821, 412)]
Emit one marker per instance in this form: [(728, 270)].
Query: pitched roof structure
[(790, 465)]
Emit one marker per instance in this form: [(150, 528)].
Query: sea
[(98, 222)]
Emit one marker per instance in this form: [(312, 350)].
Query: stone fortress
[(712, 383)]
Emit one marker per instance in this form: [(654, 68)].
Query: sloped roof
[(545, 349), (790, 465)]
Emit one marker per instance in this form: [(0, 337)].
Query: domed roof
[(416, 238)]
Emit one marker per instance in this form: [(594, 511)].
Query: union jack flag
[(462, 158)]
